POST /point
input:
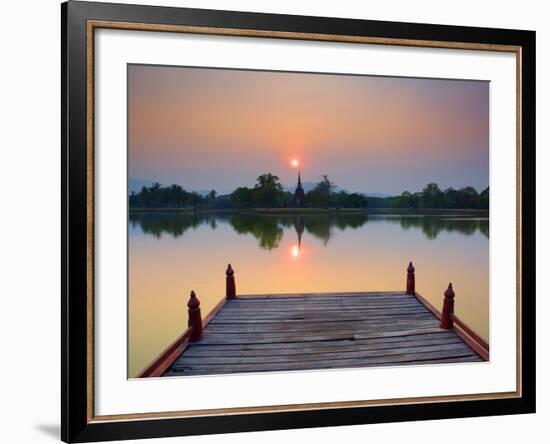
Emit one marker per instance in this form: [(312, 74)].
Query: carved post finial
[(230, 290), (410, 279), (195, 318), (448, 308)]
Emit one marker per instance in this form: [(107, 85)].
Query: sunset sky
[(219, 129)]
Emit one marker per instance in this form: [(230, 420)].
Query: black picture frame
[(76, 326)]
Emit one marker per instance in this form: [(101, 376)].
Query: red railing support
[(195, 318), (410, 279), (448, 308), (230, 291)]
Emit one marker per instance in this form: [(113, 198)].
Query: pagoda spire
[(299, 194)]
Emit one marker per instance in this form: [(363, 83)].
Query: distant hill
[(381, 195)]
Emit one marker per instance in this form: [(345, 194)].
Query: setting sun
[(329, 239)]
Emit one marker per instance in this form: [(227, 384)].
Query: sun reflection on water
[(173, 253)]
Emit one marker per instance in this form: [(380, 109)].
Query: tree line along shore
[(268, 195)]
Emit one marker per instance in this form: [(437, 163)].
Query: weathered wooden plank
[(275, 327), (415, 308), (244, 338), (296, 322), (186, 360), (315, 347), (305, 316), (472, 358), (319, 306), (339, 295), (325, 307), (291, 323), (348, 328), (312, 317), (332, 337), (317, 309), (456, 360), (284, 346), (280, 316), (324, 310), (321, 311), (330, 309), (319, 364), (399, 332), (326, 303), (324, 300), (322, 314)]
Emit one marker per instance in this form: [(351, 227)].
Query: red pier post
[(448, 309), (195, 318), (230, 291), (410, 279)]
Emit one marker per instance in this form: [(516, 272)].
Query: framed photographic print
[(275, 221)]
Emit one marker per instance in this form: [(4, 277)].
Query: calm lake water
[(171, 254)]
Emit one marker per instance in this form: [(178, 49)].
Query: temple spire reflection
[(299, 226)]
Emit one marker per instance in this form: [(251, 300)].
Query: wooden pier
[(257, 333)]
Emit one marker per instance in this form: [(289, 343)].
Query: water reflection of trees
[(175, 224), (269, 229), (431, 226), (265, 229)]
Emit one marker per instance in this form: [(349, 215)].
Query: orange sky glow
[(219, 129)]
